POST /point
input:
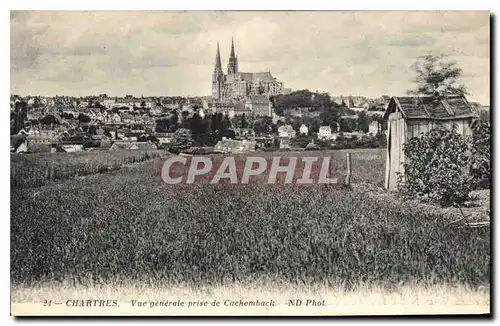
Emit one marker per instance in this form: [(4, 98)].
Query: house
[(374, 128), (132, 146), (18, 143), (164, 137), (201, 113), (286, 131), (285, 143), (410, 117), (357, 109), (325, 132), (304, 130), (260, 105), (277, 118), (235, 146), (115, 118), (241, 109)]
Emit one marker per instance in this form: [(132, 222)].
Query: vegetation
[(182, 139), (35, 170), (301, 99), (437, 76), (445, 166), (480, 146), (129, 226)]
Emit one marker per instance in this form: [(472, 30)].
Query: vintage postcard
[(247, 163)]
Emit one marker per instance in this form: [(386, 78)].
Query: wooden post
[(348, 176)]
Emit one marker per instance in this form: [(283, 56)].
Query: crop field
[(127, 227), (34, 170)]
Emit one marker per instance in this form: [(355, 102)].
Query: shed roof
[(427, 107)]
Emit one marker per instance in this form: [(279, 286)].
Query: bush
[(182, 139), (480, 150), (438, 166), (366, 141)]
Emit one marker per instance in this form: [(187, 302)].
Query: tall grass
[(124, 227), (35, 170)]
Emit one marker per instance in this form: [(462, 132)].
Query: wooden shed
[(412, 116)]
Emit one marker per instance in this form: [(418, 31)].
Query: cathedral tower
[(232, 66), (217, 77)]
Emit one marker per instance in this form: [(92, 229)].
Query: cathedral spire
[(232, 48), (218, 64), (232, 66)]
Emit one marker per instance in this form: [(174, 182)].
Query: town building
[(244, 86), (325, 132), (304, 130), (286, 131)]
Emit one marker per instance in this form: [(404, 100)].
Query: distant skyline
[(172, 53)]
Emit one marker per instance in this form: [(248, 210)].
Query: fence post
[(348, 176)]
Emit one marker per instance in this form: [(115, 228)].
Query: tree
[(161, 125), (244, 123), (225, 123), (49, 120), (197, 130), (263, 125), (363, 122), (437, 76), (83, 118), (19, 116), (301, 141), (173, 121), (328, 117), (182, 139)]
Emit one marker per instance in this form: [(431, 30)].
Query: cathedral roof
[(264, 76), (257, 76)]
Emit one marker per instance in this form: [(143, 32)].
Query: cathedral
[(241, 86)]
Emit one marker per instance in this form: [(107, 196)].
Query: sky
[(166, 53)]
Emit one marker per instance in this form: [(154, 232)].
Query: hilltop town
[(243, 106)]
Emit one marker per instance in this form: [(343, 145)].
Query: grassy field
[(128, 227), (34, 170)]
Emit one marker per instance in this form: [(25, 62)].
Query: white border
[(181, 5)]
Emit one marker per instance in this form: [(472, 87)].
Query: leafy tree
[(328, 117), (173, 122), (480, 154), (301, 140), (244, 123), (437, 166), (363, 122), (437, 76), (161, 125), (182, 139), (484, 115), (83, 118), (314, 125), (49, 120), (197, 128), (263, 125), (225, 124), (20, 115)]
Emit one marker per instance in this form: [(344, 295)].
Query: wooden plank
[(394, 155), (348, 176), (461, 127), (402, 141), (388, 155)]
